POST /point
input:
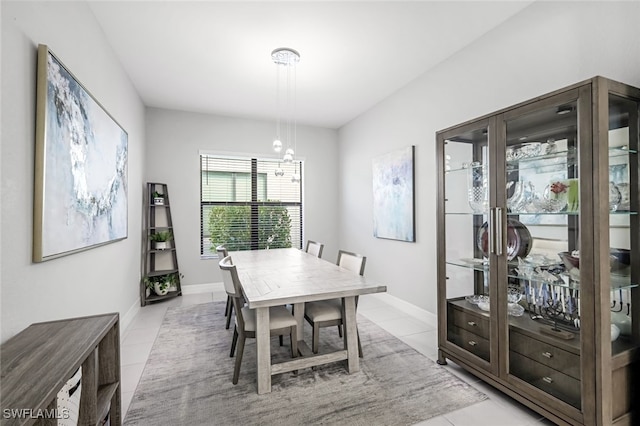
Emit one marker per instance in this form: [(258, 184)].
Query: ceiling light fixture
[(286, 60)]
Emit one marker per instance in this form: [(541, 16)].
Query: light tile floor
[(498, 410)]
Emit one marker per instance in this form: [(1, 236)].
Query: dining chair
[(314, 248), (327, 313), (228, 310), (280, 319)]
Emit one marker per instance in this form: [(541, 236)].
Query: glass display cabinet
[(539, 252)]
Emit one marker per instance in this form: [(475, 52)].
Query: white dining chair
[(327, 313), (228, 310), (314, 248), (280, 319)]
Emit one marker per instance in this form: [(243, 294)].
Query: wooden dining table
[(276, 277)]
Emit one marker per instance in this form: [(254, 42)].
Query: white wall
[(100, 280), (174, 139), (547, 46)]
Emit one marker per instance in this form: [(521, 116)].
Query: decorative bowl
[(619, 259)]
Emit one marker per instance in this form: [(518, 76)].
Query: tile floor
[(498, 410)]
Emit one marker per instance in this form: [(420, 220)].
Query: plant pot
[(161, 245), (159, 291), (158, 201)]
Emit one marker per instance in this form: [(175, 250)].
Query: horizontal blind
[(246, 206)]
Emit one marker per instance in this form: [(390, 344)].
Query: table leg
[(350, 333), (298, 314), (263, 349)]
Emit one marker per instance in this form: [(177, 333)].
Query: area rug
[(187, 380)]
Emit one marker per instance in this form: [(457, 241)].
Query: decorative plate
[(518, 239)]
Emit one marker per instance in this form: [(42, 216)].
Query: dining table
[(276, 277)]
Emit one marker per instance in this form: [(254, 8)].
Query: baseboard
[(128, 317), (411, 309), (202, 288)]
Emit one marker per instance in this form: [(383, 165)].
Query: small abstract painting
[(393, 195), (80, 190)]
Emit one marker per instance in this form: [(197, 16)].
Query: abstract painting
[(80, 188), (393, 195)]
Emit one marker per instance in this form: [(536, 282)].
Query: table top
[(280, 276)]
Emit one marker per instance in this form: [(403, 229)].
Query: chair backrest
[(314, 248), (232, 287), (351, 261), (222, 251), (230, 277)]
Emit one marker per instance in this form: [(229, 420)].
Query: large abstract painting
[(393, 195), (80, 190)]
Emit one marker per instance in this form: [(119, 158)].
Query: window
[(244, 205)]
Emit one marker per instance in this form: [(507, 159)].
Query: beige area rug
[(187, 380)]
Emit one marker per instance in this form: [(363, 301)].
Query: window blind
[(245, 206)]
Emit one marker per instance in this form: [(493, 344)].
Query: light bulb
[(279, 172), (289, 151), (288, 158), (295, 178), (277, 145)]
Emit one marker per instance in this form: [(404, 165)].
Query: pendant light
[(286, 60)]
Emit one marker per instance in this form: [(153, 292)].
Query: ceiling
[(215, 57)]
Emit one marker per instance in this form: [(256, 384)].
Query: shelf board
[(161, 272), (105, 393), (155, 298)]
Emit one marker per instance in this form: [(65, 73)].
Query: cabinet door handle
[(547, 355), (491, 236), (473, 343), (499, 220), (472, 323), (547, 379)]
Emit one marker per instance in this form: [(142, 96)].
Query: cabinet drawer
[(470, 322), (553, 382), (473, 343), (546, 354)]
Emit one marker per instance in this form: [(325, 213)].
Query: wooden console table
[(38, 361)]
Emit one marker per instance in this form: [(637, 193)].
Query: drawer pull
[(473, 343), (547, 355), (547, 379), (472, 323)]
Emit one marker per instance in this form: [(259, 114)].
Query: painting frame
[(393, 176), (80, 166)]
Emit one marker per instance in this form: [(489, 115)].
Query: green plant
[(231, 226), (157, 194), (172, 279), (161, 236), (161, 280)]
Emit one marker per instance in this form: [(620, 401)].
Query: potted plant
[(158, 198), (158, 284), (161, 239)]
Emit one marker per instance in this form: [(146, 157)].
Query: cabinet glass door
[(623, 221), (466, 215), (542, 181)]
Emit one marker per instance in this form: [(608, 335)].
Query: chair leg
[(226, 308), (340, 331), (229, 316), (236, 370), (293, 335), (315, 338), (359, 345), (234, 341)]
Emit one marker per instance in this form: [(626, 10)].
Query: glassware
[(615, 197), (478, 191)]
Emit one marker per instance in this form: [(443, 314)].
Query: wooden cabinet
[(539, 218), (162, 275), (37, 362)]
